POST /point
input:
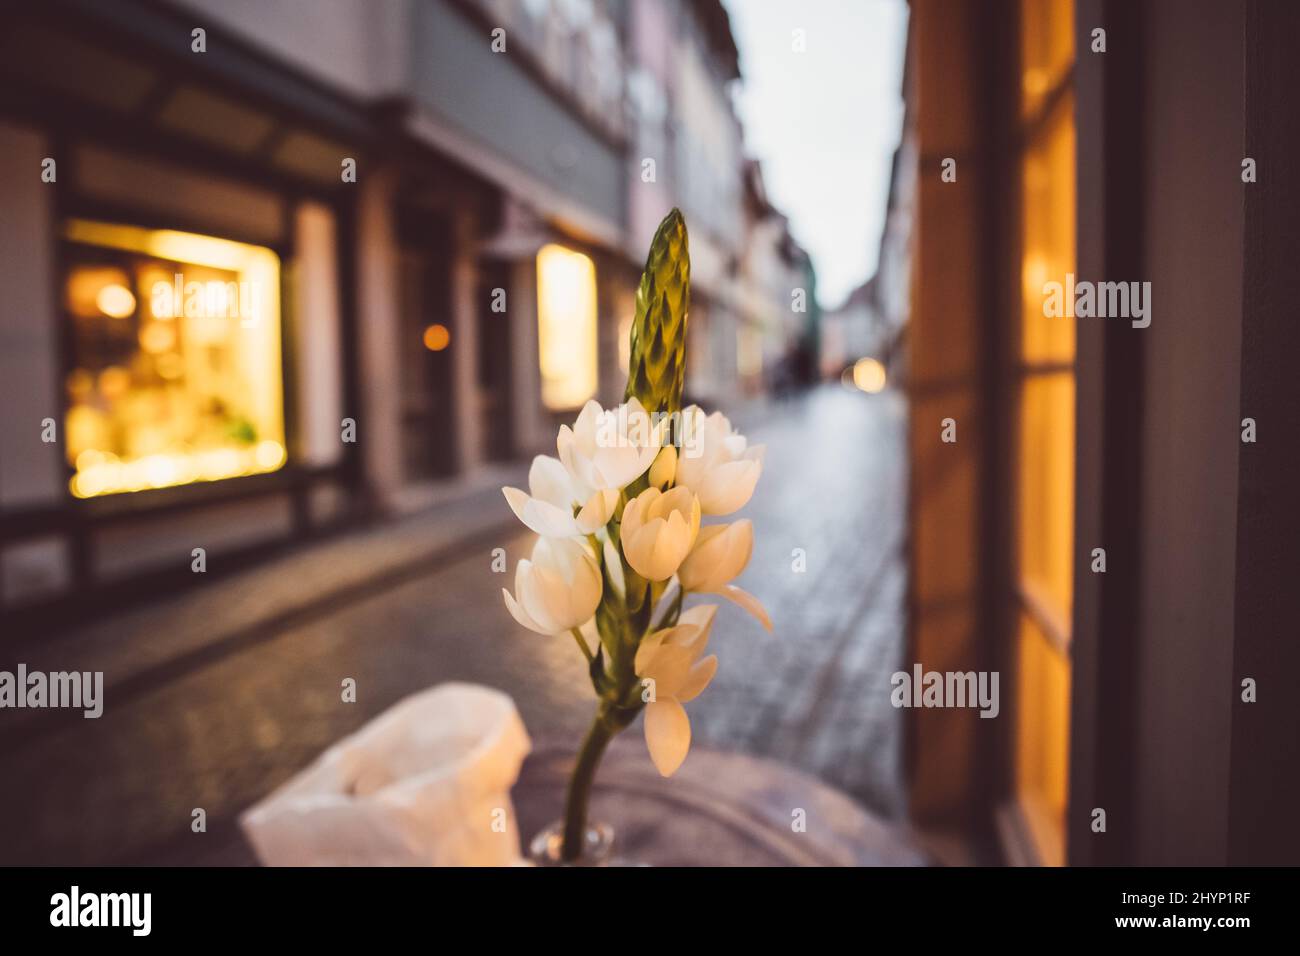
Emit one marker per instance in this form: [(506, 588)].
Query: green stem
[(672, 612), (586, 651), (598, 737)]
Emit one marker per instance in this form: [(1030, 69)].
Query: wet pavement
[(224, 729)]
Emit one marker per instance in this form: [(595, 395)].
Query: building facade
[(278, 267)]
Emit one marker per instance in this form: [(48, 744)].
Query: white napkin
[(427, 783)]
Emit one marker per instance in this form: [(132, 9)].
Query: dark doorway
[(494, 358), (428, 336)]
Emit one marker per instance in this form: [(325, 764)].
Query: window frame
[(1019, 823)]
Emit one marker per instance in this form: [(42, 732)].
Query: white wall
[(317, 346), (30, 469), (358, 46), (29, 356), (379, 417)]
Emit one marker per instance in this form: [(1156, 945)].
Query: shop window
[(175, 358)]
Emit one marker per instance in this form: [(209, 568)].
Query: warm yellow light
[(170, 366), (168, 244), (258, 267), (437, 337), (114, 382), (1034, 272), (269, 455), (86, 282), (1035, 82), (566, 326), (101, 475), (869, 375), (214, 409), (156, 338), (80, 384), (115, 301), (89, 459)]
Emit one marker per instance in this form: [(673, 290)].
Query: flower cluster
[(622, 540)]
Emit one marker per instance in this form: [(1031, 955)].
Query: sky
[(824, 123)]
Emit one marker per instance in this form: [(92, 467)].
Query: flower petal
[(667, 734), (683, 635), (549, 480), (701, 618), (749, 603), (638, 511), (584, 426), (540, 595), (575, 462), (614, 568), (721, 552), (670, 547), (640, 548), (664, 467), (698, 678), (595, 514), (728, 487), (519, 614), (669, 667), (540, 516)]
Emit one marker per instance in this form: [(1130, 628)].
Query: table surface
[(719, 809)]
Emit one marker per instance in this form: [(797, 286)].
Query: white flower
[(609, 449), (721, 552), (558, 589), (658, 530), (716, 462), (668, 661), (613, 567), (549, 510), (664, 468)]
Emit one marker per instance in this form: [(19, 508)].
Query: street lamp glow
[(437, 337), (869, 375)]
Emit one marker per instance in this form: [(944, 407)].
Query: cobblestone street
[(226, 728)]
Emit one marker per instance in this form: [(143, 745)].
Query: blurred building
[(686, 151), (274, 267), (1093, 516), (780, 314), (892, 292), (851, 331), (872, 321)]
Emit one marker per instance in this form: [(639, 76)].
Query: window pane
[(1046, 49), (1048, 235), (1042, 740), (1045, 493), (175, 358)]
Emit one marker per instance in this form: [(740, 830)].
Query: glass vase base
[(546, 849)]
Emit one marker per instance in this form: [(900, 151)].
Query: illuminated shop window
[(566, 326), (175, 343)]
